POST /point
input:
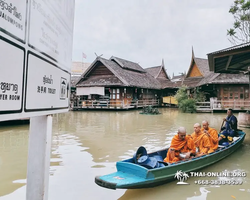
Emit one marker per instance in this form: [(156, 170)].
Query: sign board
[(51, 29), (13, 17), (36, 48), (11, 77)]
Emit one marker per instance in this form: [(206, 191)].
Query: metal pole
[(39, 158)]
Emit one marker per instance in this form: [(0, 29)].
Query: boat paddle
[(222, 125)]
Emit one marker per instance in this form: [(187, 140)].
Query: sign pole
[(39, 157)]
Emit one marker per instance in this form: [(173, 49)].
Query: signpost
[(35, 48)]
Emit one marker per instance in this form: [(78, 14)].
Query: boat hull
[(133, 176)]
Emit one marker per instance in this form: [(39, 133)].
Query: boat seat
[(221, 146)]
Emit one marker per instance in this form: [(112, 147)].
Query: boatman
[(182, 147), (212, 135), (201, 140), (230, 128)]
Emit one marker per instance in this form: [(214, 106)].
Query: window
[(115, 94), (246, 94), (225, 93), (236, 95)]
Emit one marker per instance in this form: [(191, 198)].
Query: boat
[(145, 170)]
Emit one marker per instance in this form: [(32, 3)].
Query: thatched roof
[(127, 64), (177, 81), (122, 73), (231, 79), (154, 71), (157, 72), (74, 80)]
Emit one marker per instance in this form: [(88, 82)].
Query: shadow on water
[(167, 191)]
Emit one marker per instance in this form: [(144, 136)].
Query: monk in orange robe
[(212, 135), (201, 140), (180, 144)]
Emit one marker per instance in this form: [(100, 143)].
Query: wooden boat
[(145, 172)]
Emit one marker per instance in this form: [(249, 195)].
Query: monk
[(212, 135), (180, 144), (201, 140)]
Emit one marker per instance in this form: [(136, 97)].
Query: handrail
[(239, 104), (114, 103)]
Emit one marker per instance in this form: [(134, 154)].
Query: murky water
[(86, 144)]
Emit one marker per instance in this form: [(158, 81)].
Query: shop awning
[(89, 90)]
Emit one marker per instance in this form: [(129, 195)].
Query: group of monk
[(203, 140)]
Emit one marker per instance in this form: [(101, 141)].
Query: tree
[(240, 33), (185, 103)]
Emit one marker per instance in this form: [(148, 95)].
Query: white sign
[(11, 77), (13, 18), (47, 85), (36, 39), (48, 32)]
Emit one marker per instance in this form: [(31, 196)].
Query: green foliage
[(240, 33), (181, 94), (186, 103), (199, 96)]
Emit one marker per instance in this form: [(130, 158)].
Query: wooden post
[(39, 158)]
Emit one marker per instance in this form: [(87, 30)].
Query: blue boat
[(148, 170)]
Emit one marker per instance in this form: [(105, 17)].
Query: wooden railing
[(234, 104), (203, 106), (113, 104), (223, 105)]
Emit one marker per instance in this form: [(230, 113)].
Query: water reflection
[(86, 144), (13, 153)]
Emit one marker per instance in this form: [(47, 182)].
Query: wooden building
[(160, 74), (225, 90), (119, 83), (234, 60)]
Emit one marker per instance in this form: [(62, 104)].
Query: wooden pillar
[(39, 158)]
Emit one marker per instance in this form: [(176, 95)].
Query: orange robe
[(201, 141), (180, 146), (213, 139)]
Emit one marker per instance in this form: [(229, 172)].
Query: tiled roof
[(231, 48), (127, 77), (154, 71), (127, 64), (231, 78), (192, 82), (101, 81), (74, 80), (202, 64)]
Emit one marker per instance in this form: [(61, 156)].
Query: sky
[(147, 31)]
